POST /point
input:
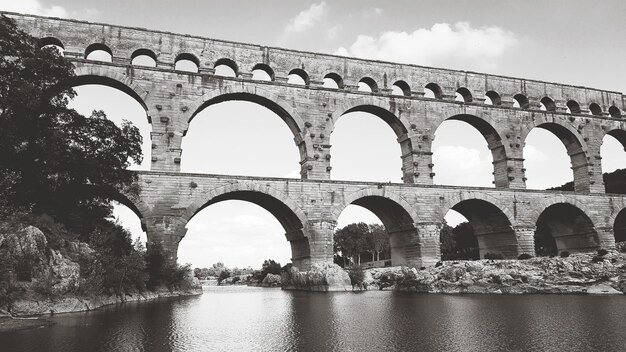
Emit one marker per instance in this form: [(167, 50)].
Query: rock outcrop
[(578, 273), (321, 277)]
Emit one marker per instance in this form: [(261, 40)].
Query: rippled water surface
[(257, 319)]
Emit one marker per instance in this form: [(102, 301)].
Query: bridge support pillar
[(319, 238), (416, 246), (606, 237), (167, 231), (525, 240), (501, 241)]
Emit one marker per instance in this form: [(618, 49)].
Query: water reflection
[(256, 319)]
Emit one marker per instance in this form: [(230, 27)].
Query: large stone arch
[(491, 221), (102, 75), (284, 209), (399, 219), (574, 143), (564, 226), (618, 221), (234, 91), (489, 127)]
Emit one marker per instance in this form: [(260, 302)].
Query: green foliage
[(355, 240), (602, 252), (357, 275), (49, 152), (524, 256), (564, 254), (223, 276), (614, 182), (458, 243), (269, 267)]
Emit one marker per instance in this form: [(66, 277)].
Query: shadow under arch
[(261, 97), (492, 225), (499, 150), (576, 149), (563, 226), (619, 226), (286, 211), (399, 219)]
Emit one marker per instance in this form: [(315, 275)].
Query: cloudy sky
[(574, 42)]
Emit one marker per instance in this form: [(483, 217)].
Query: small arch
[(547, 104), (520, 101), (187, 62), (226, 68), (491, 225), (143, 57), (615, 112), (564, 227), (433, 91), (99, 52), (298, 76), (262, 72), (401, 88), (333, 80), (463, 95), (46, 41), (367, 84), (494, 98), (595, 109), (573, 106)]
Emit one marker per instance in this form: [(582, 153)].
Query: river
[(242, 319)]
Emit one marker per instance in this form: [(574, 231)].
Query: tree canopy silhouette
[(48, 151)]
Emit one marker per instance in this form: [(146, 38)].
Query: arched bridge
[(503, 109)]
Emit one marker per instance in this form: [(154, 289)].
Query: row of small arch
[(227, 67)]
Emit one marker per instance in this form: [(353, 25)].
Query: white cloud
[(459, 46), (306, 18), (462, 166), (35, 7)]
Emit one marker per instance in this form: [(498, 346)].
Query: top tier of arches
[(318, 70)]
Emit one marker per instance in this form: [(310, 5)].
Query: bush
[(524, 256), (357, 275), (602, 252), (269, 267), (597, 259), (493, 256), (223, 276), (564, 254), (236, 279), (438, 264)]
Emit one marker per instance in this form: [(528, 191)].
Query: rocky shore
[(584, 273)]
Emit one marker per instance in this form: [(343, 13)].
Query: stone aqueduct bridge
[(504, 218)]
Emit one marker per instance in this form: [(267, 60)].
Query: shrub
[(357, 275), (439, 263), (236, 279), (597, 259), (602, 252), (564, 254), (269, 267), (524, 256), (223, 276), (386, 280), (493, 256)]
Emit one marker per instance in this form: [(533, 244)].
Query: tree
[(225, 274), (269, 267), (351, 241), (49, 153), (379, 240)]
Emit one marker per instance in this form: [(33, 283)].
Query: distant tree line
[(221, 272)]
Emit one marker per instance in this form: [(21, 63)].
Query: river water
[(259, 319)]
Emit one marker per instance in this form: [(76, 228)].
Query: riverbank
[(583, 273), (31, 313)]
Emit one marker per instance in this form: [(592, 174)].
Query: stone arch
[(574, 144), (618, 220), (490, 220), (486, 125), (548, 103), (390, 112), (131, 200), (539, 205), (275, 103), (143, 52), (110, 78), (496, 99), (567, 225), (50, 41), (398, 217), (284, 209), (98, 47)]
